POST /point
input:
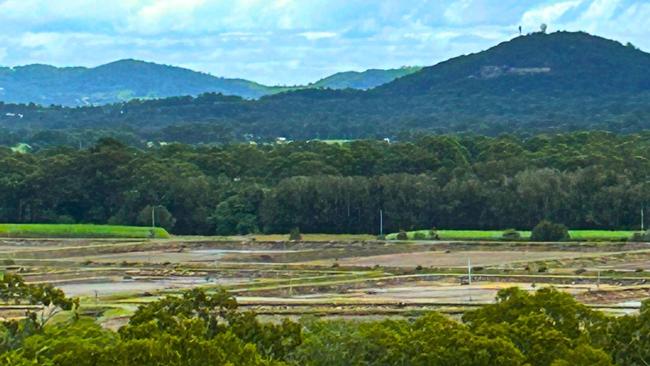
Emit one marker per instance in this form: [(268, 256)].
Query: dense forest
[(535, 83), (547, 328), (580, 179)]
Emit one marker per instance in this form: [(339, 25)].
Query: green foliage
[(640, 237), (471, 184), (419, 236), (294, 234), (548, 231), (547, 328), (163, 218), (402, 235), (511, 234), (433, 234)]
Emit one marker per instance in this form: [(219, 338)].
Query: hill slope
[(539, 82)]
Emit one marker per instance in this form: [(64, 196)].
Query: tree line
[(547, 328), (581, 179)]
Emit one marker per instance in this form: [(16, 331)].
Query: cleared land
[(79, 231), (327, 275), (455, 259)]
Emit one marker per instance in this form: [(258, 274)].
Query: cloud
[(315, 36), (549, 13)]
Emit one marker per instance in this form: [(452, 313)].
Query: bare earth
[(454, 259)]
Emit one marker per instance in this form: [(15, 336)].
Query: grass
[(587, 235), (78, 231)]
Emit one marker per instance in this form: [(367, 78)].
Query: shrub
[(549, 231), (402, 235), (511, 234), (433, 234), (295, 234), (640, 237), (419, 236)]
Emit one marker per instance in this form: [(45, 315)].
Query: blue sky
[(292, 41)]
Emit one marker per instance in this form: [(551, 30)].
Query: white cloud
[(314, 36), (549, 13)]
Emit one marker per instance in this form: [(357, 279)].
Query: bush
[(402, 235), (419, 236), (548, 231), (640, 237), (433, 234), (295, 234), (511, 234)]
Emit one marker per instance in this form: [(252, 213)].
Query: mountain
[(129, 79), (363, 80), (562, 81), (562, 62)]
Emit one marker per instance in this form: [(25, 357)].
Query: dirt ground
[(454, 259), (374, 278)]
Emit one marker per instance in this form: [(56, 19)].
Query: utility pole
[(153, 217), (642, 221), (381, 222)]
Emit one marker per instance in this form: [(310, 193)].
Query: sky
[(286, 42)]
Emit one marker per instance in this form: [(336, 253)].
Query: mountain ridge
[(127, 79)]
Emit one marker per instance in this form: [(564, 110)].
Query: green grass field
[(587, 235), (78, 231)]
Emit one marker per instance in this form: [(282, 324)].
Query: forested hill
[(544, 64), (539, 82), (124, 80)]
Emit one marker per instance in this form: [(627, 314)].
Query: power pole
[(642, 221), (153, 217), (381, 222)]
